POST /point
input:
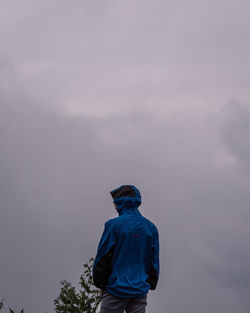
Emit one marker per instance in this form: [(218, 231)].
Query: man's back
[(133, 254), (127, 261)]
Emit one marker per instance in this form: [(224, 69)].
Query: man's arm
[(102, 264), (153, 273)]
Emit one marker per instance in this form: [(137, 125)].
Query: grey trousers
[(112, 304)]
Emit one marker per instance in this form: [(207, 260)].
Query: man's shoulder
[(150, 224), (112, 221), (119, 220)]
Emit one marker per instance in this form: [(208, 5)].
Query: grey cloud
[(236, 130), (134, 64), (87, 53), (230, 261), (56, 173), (234, 269)]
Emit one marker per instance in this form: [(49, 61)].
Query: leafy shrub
[(86, 300)]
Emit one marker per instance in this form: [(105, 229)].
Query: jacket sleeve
[(153, 273), (102, 264)]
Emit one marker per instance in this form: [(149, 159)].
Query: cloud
[(95, 95), (92, 58), (56, 173), (233, 271), (236, 131)]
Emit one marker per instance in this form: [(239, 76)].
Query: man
[(127, 261)]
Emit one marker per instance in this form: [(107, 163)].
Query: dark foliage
[(86, 300)]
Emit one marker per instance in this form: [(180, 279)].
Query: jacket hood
[(126, 197)]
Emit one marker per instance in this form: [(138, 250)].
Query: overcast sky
[(96, 94)]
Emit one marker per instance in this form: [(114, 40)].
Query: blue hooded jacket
[(127, 260)]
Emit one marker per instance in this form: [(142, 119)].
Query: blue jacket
[(127, 260)]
